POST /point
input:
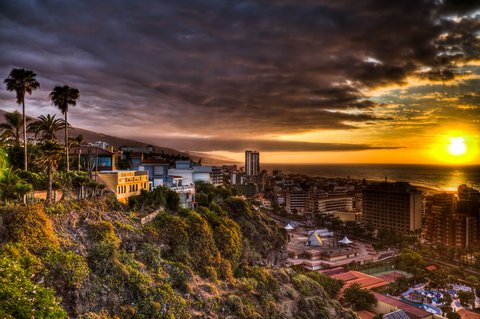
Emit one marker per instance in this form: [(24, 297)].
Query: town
[(412, 248)]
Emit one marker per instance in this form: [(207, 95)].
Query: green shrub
[(28, 225), (307, 286), (331, 286), (20, 298), (103, 231), (64, 270)]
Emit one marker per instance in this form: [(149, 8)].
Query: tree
[(3, 160), (466, 298), (12, 187), (47, 127), (410, 261), (358, 298), (22, 81), (77, 141), (13, 126), (50, 155), (453, 315), (63, 97)]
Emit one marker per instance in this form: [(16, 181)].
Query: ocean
[(432, 176)]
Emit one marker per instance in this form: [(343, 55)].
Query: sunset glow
[(309, 92), (457, 146)]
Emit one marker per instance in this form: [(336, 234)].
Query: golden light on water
[(457, 146)]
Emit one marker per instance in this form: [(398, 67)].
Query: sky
[(326, 81)]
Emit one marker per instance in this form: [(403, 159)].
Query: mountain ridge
[(93, 136)]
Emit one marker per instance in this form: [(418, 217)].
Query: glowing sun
[(457, 146)]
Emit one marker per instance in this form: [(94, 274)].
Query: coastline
[(432, 178)]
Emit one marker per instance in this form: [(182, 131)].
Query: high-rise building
[(450, 221), (252, 163), (393, 206), (439, 217)]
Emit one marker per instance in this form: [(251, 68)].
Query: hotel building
[(393, 206), (252, 163), (124, 184)]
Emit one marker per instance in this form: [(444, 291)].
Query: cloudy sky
[(301, 81)]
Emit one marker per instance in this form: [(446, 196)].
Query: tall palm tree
[(22, 81), (50, 153), (12, 126), (47, 127), (62, 97), (77, 141)]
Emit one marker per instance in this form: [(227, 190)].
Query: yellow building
[(125, 183)]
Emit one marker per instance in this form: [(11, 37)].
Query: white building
[(191, 174), (185, 192)]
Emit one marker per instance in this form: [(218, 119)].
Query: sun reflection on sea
[(456, 178)]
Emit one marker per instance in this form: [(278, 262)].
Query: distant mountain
[(91, 137)]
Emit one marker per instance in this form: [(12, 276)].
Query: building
[(321, 249), (93, 158), (450, 221), (394, 207), (334, 203), (387, 304), (191, 173), (185, 192), (247, 189), (124, 184), (296, 201), (217, 175), (252, 163), (348, 216), (440, 212), (157, 170)]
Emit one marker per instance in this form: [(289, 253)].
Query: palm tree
[(62, 97), (22, 81), (47, 127), (50, 154), (13, 126), (77, 141)]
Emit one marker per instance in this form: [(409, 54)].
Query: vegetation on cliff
[(92, 258)]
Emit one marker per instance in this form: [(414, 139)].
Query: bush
[(331, 286), (358, 298), (307, 286), (28, 225), (64, 270), (20, 298)]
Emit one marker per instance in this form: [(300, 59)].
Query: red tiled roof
[(355, 277), (431, 267), (332, 271), (347, 276), (365, 314), (412, 311), (465, 314)]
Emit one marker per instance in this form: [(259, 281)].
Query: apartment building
[(124, 184), (393, 206)]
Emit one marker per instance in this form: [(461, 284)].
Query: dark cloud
[(239, 145), (242, 68)]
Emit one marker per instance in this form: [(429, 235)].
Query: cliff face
[(211, 263)]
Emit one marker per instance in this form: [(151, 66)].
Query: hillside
[(219, 261), (91, 137)]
